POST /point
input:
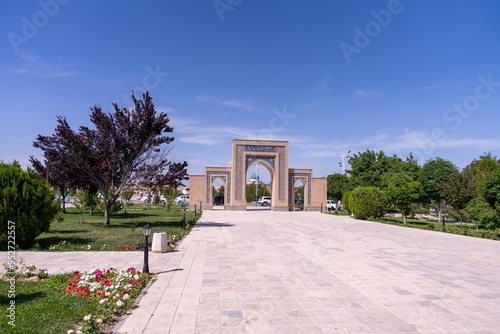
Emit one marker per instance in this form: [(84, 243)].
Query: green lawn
[(455, 228), (125, 229), (41, 308), (44, 306)]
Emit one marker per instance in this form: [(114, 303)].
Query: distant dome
[(254, 176)]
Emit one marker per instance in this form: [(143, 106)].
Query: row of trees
[(128, 146), (470, 193), (250, 191)]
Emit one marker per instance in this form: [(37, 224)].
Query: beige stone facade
[(273, 155)]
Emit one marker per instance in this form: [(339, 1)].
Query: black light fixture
[(146, 231)]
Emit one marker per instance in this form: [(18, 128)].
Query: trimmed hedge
[(367, 202)]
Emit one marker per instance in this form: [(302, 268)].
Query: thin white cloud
[(408, 141), (442, 85), (203, 97), (195, 132), (309, 107), (237, 104), (232, 103), (364, 94), (34, 67), (166, 110)]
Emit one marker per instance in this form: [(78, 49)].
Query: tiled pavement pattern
[(300, 272)]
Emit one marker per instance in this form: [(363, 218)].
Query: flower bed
[(114, 291)]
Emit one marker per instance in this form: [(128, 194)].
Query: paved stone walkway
[(301, 272)]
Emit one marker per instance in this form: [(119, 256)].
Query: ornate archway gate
[(274, 156)]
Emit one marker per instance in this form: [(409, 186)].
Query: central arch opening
[(259, 181)]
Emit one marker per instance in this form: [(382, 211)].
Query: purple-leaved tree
[(126, 146)]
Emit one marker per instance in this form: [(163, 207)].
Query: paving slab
[(306, 272)]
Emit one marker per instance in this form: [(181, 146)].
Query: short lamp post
[(146, 231)]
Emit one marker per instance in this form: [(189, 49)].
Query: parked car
[(182, 200), (145, 199), (264, 201), (218, 200), (331, 205), (163, 200), (299, 202)]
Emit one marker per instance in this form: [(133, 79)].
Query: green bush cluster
[(480, 211), (367, 202), (345, 200), (27, 202)]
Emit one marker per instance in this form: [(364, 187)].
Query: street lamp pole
[(257, 185), (146, 231), (343, 156)]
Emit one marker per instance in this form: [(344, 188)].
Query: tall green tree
[(432, 173), (338, 185), (481, 169), (409, 167), (371, 168), (401, 191), (368, 167), (459, 190), (493, 189)]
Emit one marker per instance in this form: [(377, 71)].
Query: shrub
[(345, 200), (430, 226), (26, 201), (480, 211), (421, 211), (156, 199), (367, 202)]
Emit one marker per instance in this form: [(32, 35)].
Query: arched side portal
[(274, 156), (214, 175), (306, 176)]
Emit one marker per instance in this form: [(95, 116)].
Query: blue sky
[(328, 76)]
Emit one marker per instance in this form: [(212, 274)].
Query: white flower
[(87, 317), (71, 331), (102, 301), (136, 277), (99, 321), (117, 295), (119, 303), (89, 247), (126, 296)]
